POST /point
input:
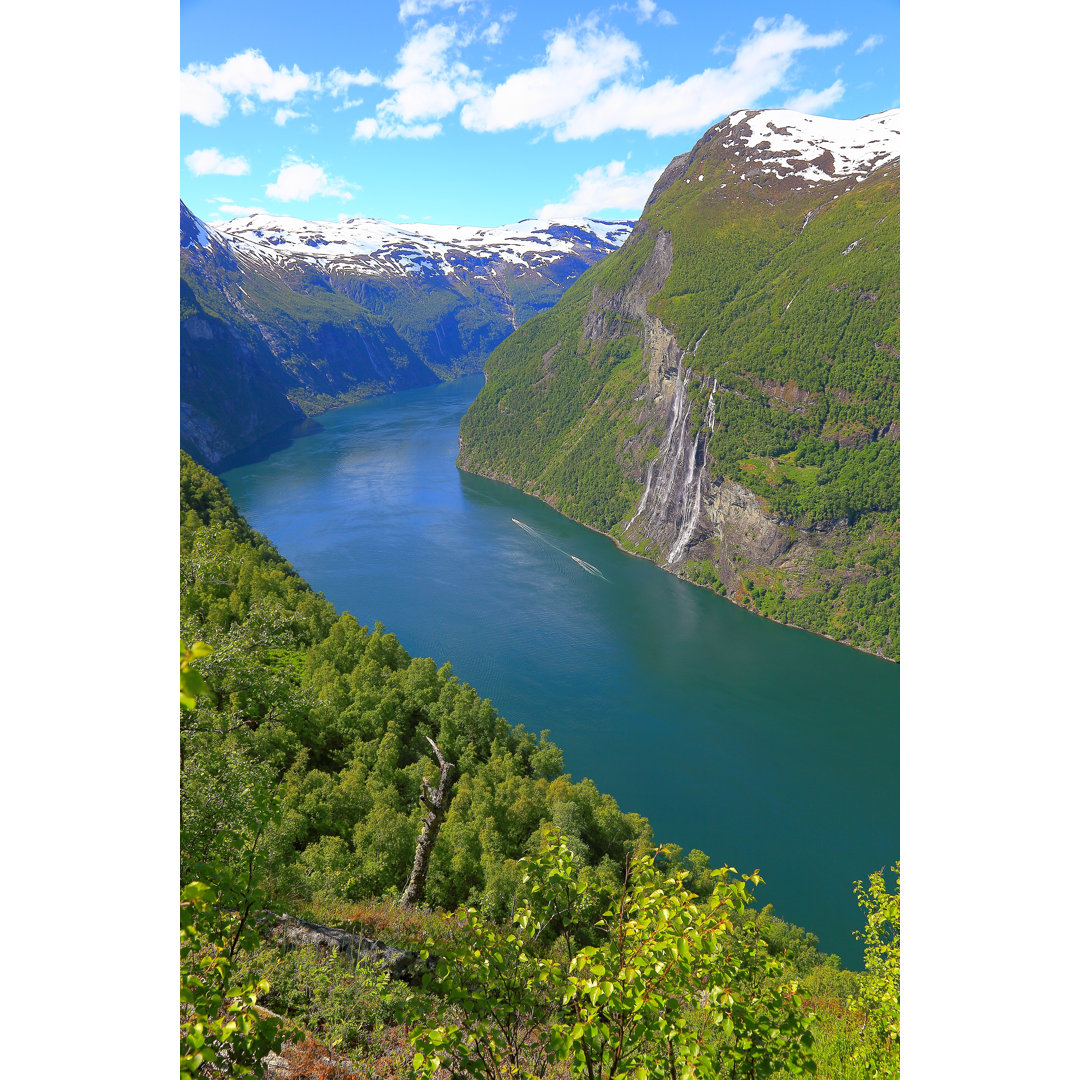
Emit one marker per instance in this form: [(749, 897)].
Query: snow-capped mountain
[(812, 149), (758, 444), (282, 318), (373, 247)]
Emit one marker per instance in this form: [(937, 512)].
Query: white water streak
[(687, 532), (544, 540)]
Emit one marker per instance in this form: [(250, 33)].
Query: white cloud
[(339, 81), (647, 9), (369, 127), (811, 101), (284, 115), (427, 86), (227, 209), (412, 9), (211, 163), (604, 187), (366, 128), (206, 89), (201, 101), (586, 87), (298, 180), (576, 64), (495, 31), (872, 42)]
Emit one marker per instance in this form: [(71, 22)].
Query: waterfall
[(710, 415), (671, 502), (645, 497), (687, 531), (671, 462)]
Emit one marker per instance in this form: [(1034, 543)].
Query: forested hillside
[(282, 319), (722, 393), (303, 751), (336, 715)]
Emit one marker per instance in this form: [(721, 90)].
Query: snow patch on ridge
[(818, 148), (372, 246)]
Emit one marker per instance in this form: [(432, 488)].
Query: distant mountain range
[(282, 318), (722, 393)]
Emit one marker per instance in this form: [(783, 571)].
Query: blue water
[(765, 747)]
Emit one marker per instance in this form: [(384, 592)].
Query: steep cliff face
[(282, 318), (722, 394)]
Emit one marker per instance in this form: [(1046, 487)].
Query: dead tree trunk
[(436, 803)]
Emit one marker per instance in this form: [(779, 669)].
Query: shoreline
[(695, 584)]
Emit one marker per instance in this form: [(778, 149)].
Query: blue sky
[(479, 113)]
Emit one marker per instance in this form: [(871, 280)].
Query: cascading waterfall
[(671, 502), (645, 497), (670, 468), (689, 525)]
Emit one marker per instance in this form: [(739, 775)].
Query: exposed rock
[(397, 963)]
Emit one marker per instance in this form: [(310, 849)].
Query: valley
[(281, 319), (576, 493)]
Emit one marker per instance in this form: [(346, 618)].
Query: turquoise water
[(763, 746)]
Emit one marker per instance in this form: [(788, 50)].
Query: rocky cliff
[(722, 394)]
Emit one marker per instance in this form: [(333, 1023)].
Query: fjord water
[(766, 747)]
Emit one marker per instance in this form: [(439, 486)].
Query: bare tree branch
[(436, 803)]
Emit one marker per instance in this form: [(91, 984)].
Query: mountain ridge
[(721, 394), (282, 318)]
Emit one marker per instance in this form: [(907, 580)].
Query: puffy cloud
[(200, 100), (811, 101), (647, 9), (227, 209), (495, 31), (872, 42), (427, 86), (604, 187), (412, 9), (582, 90), (576, 64), (206, 89), (284, 115), (339, 81), (211, 163), (298, 180)]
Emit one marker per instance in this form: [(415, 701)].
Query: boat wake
[(586, 566)]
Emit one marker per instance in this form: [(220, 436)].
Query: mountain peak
[(362, 245), (816, 149)]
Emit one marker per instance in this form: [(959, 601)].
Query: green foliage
[(878, 997), (790, 302), (672, 987), (191, 682), (221, 1032), (334, 716), (343, 1004), (301, 764)]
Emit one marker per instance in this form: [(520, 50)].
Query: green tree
[(673, 987), (878, 998), (221, 1031)]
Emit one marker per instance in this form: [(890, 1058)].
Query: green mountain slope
[(335, 716), (722, 393), (282, 319)]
